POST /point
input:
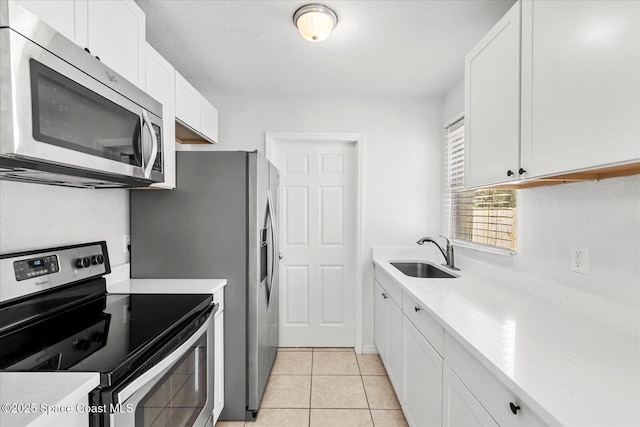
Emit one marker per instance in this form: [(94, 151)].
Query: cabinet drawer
[(494, 396), (218, 298), (426, 324), (388, 284)]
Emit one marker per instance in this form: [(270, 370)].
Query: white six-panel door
[(317, 238)]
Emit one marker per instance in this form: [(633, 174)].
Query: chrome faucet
[(448, 255)]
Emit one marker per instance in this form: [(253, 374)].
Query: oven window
[(71, 116), (181, 394)]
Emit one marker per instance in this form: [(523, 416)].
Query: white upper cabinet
[(160, 85), (68, 17), (580, 84), (553, 90), (492, 116), (197, 118), (209, 117), (113, 30), (187, 103), (116, 34)]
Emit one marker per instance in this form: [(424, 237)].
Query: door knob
[(280, 256)]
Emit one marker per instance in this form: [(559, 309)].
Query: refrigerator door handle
[(274, 241)]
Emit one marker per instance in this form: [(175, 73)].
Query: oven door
[(52, 112), (178, 391)]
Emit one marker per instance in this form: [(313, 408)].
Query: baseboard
[(369, 349)]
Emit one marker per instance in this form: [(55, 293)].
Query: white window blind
[(483, 217)]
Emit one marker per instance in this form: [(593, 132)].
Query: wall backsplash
[(34, 216), (604, 216)]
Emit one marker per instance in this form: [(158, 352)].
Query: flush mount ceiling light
[(315, 22)]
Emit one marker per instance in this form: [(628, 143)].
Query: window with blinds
[(484, 217)]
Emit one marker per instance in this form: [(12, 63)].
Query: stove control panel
[(28, 268), (25, 273)]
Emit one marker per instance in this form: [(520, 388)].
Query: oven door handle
[(162, 366)]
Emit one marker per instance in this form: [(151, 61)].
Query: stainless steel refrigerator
[(220, 222)]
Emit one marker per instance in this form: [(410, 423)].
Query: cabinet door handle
[(417, 309), (509, 173), (385, 296), (521, 171), (514, 408)]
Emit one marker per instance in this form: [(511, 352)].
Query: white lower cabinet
[(502, 404), (394, 346), (218, 355), (422, 379), (380, 321), (436, 379), (459, 406), (388, 330)]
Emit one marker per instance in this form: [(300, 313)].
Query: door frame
[(346, 138)]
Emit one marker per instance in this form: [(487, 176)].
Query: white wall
[(604, 216), (453, 101), (401, 159), (40, 216)]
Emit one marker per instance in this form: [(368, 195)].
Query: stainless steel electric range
[(154, 352)]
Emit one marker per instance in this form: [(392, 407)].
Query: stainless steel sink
[(422, 270)]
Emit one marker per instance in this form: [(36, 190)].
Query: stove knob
[(80, 344), (83, 262), (97, 259)]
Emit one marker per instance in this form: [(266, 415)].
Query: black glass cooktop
[(109, 333)]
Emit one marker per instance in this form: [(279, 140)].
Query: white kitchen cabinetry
[(116, 33), (492, 103), (380, 321), (68, 17), (113, 30), (160, 85), (218, 369), (197, 118), (552, 92), (388, 333), (580, 84), (422, 396), (459, 406), (501, 403)]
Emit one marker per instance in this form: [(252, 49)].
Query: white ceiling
[(378, 48)]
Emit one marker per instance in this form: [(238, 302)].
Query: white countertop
[(568, 368), (43, 391), (167, 286)]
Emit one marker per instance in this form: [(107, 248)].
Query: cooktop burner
[(106, 335)]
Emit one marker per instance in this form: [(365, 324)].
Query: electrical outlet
[(580, 259), (126, 243)]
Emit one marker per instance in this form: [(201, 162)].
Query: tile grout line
[(310, 389), (366, 396)]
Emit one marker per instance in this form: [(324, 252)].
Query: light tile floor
[(332, 387)]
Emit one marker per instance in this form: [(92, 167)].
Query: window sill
[(483, 248)]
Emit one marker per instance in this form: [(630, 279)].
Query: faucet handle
[(448, 242)]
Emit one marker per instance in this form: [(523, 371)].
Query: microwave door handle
[(148, 163), (140, 143)]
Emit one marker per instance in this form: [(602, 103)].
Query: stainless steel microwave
[(66, 118)]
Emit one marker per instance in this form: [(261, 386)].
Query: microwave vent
[(43, 177)]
